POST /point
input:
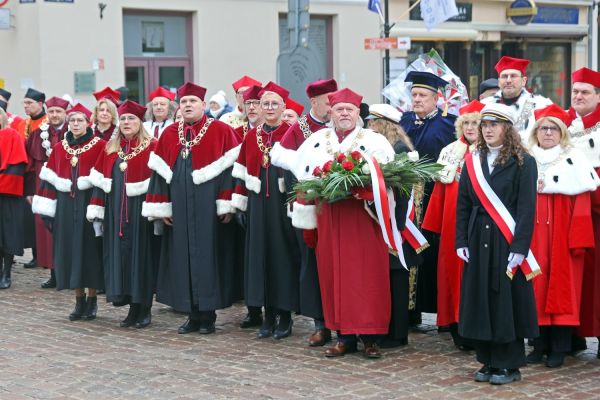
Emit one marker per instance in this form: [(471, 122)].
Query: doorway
[(143, 75)]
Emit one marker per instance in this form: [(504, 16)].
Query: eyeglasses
[(504, 77), (127, 118), (254, 103), (548, 129), (77, 120), (274, 105)]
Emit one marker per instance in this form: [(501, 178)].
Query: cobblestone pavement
[(45, 356)]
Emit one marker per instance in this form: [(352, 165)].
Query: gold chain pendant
[(74, 161), (265, 159), (123, 166), (184, 153)]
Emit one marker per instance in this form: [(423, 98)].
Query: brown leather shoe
[(372, 350), (340, 349), (319, 338)]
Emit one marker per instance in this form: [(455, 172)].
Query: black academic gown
[(494, 308)]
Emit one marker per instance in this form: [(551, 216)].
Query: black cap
[(425, 80), (6, 94), (364, 111), (3, 105), (491, 83), (35, 95)]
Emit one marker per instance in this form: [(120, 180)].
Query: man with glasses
[(585, 135), (512, 80), (237, 117), (252, 111), (315, 120), (190, 191)]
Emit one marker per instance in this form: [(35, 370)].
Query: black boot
[(284, 326), (132, 316), (50, 283), (268, 325), (91, 308), (33, 262), (79, 308), (144, 317), (5, 280)]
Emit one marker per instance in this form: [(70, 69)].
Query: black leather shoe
[(251, 321), (144, 317), (131, 316), (79, 309), (206, 328), (503, 376), (50, 283), (536, 356), (31, 264), (266, 329), (283, 331), (91, 309), (555, 360), (484, 374), (191, 325)]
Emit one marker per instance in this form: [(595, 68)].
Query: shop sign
[(521, 12), (557, 15), (465, 12)]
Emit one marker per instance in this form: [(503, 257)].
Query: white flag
[(435, 12)]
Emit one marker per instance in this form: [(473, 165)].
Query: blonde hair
[(458, 124), (114, 144), (112, 109), (3, 119), (392, 132), (564, 133)]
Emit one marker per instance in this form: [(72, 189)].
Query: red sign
[(381, 43)]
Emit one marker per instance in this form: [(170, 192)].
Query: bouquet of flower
[(349, 174)]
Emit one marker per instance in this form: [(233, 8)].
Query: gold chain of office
[(75, 153), (136, 150), (187, 145)]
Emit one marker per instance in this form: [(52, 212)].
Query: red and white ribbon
[(498, 212), (411, 233)]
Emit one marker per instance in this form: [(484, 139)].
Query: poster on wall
[(153, 37)]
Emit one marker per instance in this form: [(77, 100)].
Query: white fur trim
[(281, 183), (100, 181), (43, 206), (94, 212), (225, 207), (159, 165), (239, 201), (60, 184), (213, 169), (304, 216), (253, 183), (239, 171), (282, 157), (137, 188), (84, 183), (157, 210)]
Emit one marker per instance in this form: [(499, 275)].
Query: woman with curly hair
[(495, 216)]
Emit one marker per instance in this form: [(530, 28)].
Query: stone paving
[(45, 356)]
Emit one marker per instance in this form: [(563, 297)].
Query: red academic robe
[(563, 232), (28, 125), (14, 121), (37, 158)]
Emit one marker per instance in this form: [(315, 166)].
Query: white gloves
[(98, 228), (159, 227), (463, 254), (514, 260)]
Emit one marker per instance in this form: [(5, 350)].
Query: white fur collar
[(569, 172)]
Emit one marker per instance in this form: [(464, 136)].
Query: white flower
[(365, 169), (413, 155)]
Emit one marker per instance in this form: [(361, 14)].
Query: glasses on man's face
[(127, 118), (504, 77), (548, 129), (274, 105), (254, 103)]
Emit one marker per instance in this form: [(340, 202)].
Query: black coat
[(493, 307)]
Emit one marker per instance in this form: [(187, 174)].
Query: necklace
[(328, 133), (543, 167), (265, 150), (76, 152), (187, 145), (135, 152), (44, 135), (245, 129)]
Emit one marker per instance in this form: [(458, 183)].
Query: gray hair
[(170, 113)]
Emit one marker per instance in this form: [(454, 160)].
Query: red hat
[(320, 87), (507, 62), (80, 108), (345, 96), (57, 102), (252, 93), (245, 81), (273, 87), (473, 107), (131, 107), (191, 89), (108, 93), (291, 104), (553, 111), (585, 75), (162, 92)]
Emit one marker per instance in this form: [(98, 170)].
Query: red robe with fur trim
[(13, 160)]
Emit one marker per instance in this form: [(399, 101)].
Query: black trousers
[(554, 339), (203, 316), (501, 355)]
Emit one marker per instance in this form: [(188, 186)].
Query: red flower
[(327, 166), (356, 155), (348, 165), (341, 158), (317, 171)]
